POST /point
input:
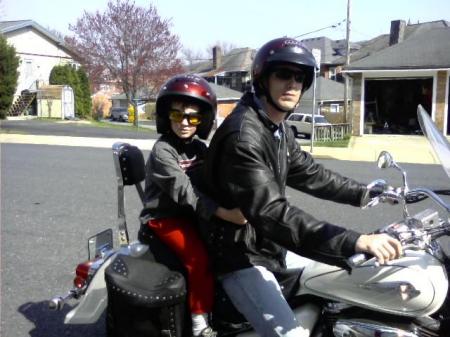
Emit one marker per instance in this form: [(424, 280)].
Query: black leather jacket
[(250, 161)]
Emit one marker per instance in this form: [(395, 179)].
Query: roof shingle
[(422, 50)]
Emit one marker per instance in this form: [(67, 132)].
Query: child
[(186, 106)]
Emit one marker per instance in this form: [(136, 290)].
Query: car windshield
[(320, 119)]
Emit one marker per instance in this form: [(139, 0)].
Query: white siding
[(38, 55)]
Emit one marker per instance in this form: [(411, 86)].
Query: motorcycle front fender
[(93, 302)]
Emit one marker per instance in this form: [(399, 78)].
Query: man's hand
[(231, 215), (382, 246)]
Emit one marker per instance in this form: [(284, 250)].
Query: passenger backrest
[(132, 164), (130, 170)]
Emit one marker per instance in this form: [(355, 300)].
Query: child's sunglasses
[(177, 116)]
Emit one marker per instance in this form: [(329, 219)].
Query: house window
[(28, 68), (332, 73), (334, 108), (233, 82)]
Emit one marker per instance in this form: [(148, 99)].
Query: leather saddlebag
[(145, 298)]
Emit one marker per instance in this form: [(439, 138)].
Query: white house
[(39, 51)]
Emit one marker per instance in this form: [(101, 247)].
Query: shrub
[(9, 62), (78, 80)]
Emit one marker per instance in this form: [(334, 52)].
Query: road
[(53, 198)]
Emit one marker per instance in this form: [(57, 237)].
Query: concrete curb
[(405, 149), (143, 144)]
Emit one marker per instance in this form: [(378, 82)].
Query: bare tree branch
[(190, 56), (128, 44)]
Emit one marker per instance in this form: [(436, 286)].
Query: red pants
[(181, 236)]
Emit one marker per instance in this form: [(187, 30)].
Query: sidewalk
[(405, 149)]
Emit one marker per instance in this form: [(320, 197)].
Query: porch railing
[(332, 132)]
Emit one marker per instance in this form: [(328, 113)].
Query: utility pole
[(347, 62), (318, 57)]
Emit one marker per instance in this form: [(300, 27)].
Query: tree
[(191, 56), (128, 44), (85, 92), (9, 62), (78, 80)]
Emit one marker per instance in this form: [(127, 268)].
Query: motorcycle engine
[(341, 320)]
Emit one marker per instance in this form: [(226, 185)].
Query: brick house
[(332, 55), (393, 73), (231, 70)]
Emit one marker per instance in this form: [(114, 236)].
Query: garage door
[(391, 104)]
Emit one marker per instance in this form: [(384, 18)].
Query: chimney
[(397, 32), (217, 57)]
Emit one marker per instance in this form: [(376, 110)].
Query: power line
[(245, 49), (318, 30)]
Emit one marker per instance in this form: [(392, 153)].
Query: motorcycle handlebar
[(417, 196), (435, 232), (412, 196), (358, 259), (432, 195)]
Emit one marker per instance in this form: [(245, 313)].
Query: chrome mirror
[(385, 160)]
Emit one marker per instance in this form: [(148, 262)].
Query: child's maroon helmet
[(195, 89)]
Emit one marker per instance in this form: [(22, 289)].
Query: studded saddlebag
[(145, 298)]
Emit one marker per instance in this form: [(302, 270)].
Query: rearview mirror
[(385, 160)]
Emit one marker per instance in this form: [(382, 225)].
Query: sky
[(245, 23)]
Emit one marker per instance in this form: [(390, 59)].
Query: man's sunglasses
[(177, 116), (285, 74)]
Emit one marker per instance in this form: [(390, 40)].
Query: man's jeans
[(257, 295)]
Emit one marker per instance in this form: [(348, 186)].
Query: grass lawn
[(98, 124), (335, 143)]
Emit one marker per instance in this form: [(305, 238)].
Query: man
[(251, 159)]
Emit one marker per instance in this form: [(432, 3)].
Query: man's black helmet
[(195, 89), (283, 50)]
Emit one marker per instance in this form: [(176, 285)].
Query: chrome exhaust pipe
[(57, 303)]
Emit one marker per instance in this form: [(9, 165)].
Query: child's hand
[(231, 215)]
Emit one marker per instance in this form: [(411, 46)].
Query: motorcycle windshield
[(438, 141)]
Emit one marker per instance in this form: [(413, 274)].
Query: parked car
[(300, 123), (119, 114)]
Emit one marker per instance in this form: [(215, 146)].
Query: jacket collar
[(255, 103)]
